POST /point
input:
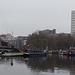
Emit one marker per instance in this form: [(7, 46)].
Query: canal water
[(49, 65)]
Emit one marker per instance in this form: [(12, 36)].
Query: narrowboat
[(71, 53), (29, 53), (63, 52)]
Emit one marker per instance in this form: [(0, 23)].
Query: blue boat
[(29, 53)]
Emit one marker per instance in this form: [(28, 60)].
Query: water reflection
[(54, 64), (10, 60), (50, 65)]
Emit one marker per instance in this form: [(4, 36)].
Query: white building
[(73, 23), (6, 37)]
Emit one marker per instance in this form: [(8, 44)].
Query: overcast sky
[(24, 17)]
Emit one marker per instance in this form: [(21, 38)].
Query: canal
[(50, 65)]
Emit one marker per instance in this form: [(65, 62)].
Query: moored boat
[(29, 53), (63, 52), (71, 53)]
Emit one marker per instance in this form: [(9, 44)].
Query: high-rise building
[(73, 23)]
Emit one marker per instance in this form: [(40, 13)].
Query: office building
[(47, 31)]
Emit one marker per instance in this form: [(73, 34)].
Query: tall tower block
[(73, 23)]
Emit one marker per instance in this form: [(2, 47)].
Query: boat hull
[(71, 54), (33, 55)]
